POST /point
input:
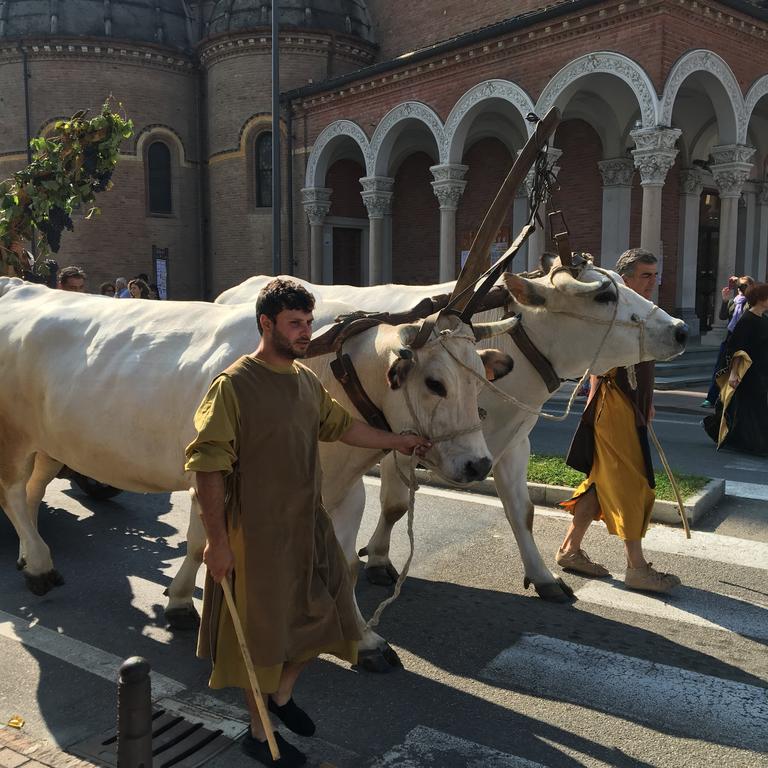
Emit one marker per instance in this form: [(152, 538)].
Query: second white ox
[(574, 321), (109, 389)]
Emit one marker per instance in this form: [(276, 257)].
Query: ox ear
[(547, 261), (399, 370), (496, 363), (524, 291)]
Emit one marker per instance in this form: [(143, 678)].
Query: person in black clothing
[(746, 411)]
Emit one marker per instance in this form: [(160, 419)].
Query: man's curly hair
[(280, 294)]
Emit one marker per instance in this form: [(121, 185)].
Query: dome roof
[(346, 16), (163, 22)]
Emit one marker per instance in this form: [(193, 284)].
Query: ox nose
[(477, 470), (681, 334)]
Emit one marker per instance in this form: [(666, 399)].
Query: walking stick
[(263, 714), (673, 482)]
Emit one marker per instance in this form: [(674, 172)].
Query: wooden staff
[(673, 482), (263, 714)]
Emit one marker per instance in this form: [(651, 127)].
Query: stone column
[(730, 168), (537, 241), (448, 187), (617, 176), (377, 196), (691, 185), (317, 203), (654, 155), (748, 258), (761, 261)]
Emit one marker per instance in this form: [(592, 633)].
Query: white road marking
[(76, 653), (426, 746), (756, 491), (662, 696), (691, 606)]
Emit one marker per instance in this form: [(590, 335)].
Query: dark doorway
[(707, 298), (347, 252)]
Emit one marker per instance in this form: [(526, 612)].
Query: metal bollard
[(134, 714)]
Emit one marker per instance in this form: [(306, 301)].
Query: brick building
[(399, 121)]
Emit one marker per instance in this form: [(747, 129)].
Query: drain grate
[(178, 741)]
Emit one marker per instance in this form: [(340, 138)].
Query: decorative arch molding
[(257, 123), (702, 60), (757, 91), (504, 90), (317, 165), (608, 63), (388, 129), (165, 133)]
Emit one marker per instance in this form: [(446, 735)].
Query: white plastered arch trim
[(603, 62), (757, 91), (159, 132), (317, 165), (388, 129), (702, 60), (459, 122)]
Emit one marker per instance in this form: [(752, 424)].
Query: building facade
[(397, 127)]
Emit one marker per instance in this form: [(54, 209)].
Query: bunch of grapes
[(102, 181), (58, 220)]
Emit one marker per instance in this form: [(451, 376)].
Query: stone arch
[(727, 100), (757, 91), (326, 145), (165, 133), (563, 84), (392, 126), (470, 105)]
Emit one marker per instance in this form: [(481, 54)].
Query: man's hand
[(409, 444), (725, 293), (220, 560)]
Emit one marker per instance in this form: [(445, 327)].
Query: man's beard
[(284, 347)]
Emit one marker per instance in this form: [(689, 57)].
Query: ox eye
[(436, 387), (605, 298)]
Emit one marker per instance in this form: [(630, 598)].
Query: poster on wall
[(160, 259), (498, 248)]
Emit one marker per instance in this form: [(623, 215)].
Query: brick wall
[(343, 178)]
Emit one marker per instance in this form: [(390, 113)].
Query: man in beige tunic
[(258, 481)]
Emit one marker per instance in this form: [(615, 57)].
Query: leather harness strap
[(535, 357), (344, 371)]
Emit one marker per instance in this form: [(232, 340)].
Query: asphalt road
[(681, 435), (493, 675)]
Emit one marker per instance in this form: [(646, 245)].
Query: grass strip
[(552, 470)]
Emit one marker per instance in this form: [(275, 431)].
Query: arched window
[(159, 178), (263, 175)]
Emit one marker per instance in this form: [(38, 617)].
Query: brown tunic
[(292, 583)]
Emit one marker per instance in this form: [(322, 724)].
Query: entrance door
[(707, 292), (347, 254)]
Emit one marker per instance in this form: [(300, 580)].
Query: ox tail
[(9, 283)]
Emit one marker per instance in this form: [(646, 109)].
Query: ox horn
[(497, 328), (564, 281)]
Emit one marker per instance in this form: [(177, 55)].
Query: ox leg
[(394, 504), (36, 563), (180, 610), (509, 474), (374, 652)]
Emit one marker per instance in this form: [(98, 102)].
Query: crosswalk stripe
[(666, 697), (691, 606), (756, 491), (426, 746)]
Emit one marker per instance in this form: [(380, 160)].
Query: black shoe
[(290, 757), (293, 717)]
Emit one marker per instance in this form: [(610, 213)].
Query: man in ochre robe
[(611, 446), (258, 481)]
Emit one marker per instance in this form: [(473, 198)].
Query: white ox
[(109, 388), (567, 319)]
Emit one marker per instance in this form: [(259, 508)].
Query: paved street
[(493, 676)]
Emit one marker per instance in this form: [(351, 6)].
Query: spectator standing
[(121, 288), (138, 289), (72, 279), (107, 289)]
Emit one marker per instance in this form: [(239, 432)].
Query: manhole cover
[(178, 741)]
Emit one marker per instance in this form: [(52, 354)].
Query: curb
[(551, 495)]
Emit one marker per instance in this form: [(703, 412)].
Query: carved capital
[(655, 153), (317, 203), (762, 195), (691, 182), (377, 195), (731, 168), (449, 185), (617, 172)]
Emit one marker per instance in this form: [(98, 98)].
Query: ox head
[(583, 316), (432, 389)]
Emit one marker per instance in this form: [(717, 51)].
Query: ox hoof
[(382, 575), (44, 582), (553, 592), (379, 661), (183, 618)]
